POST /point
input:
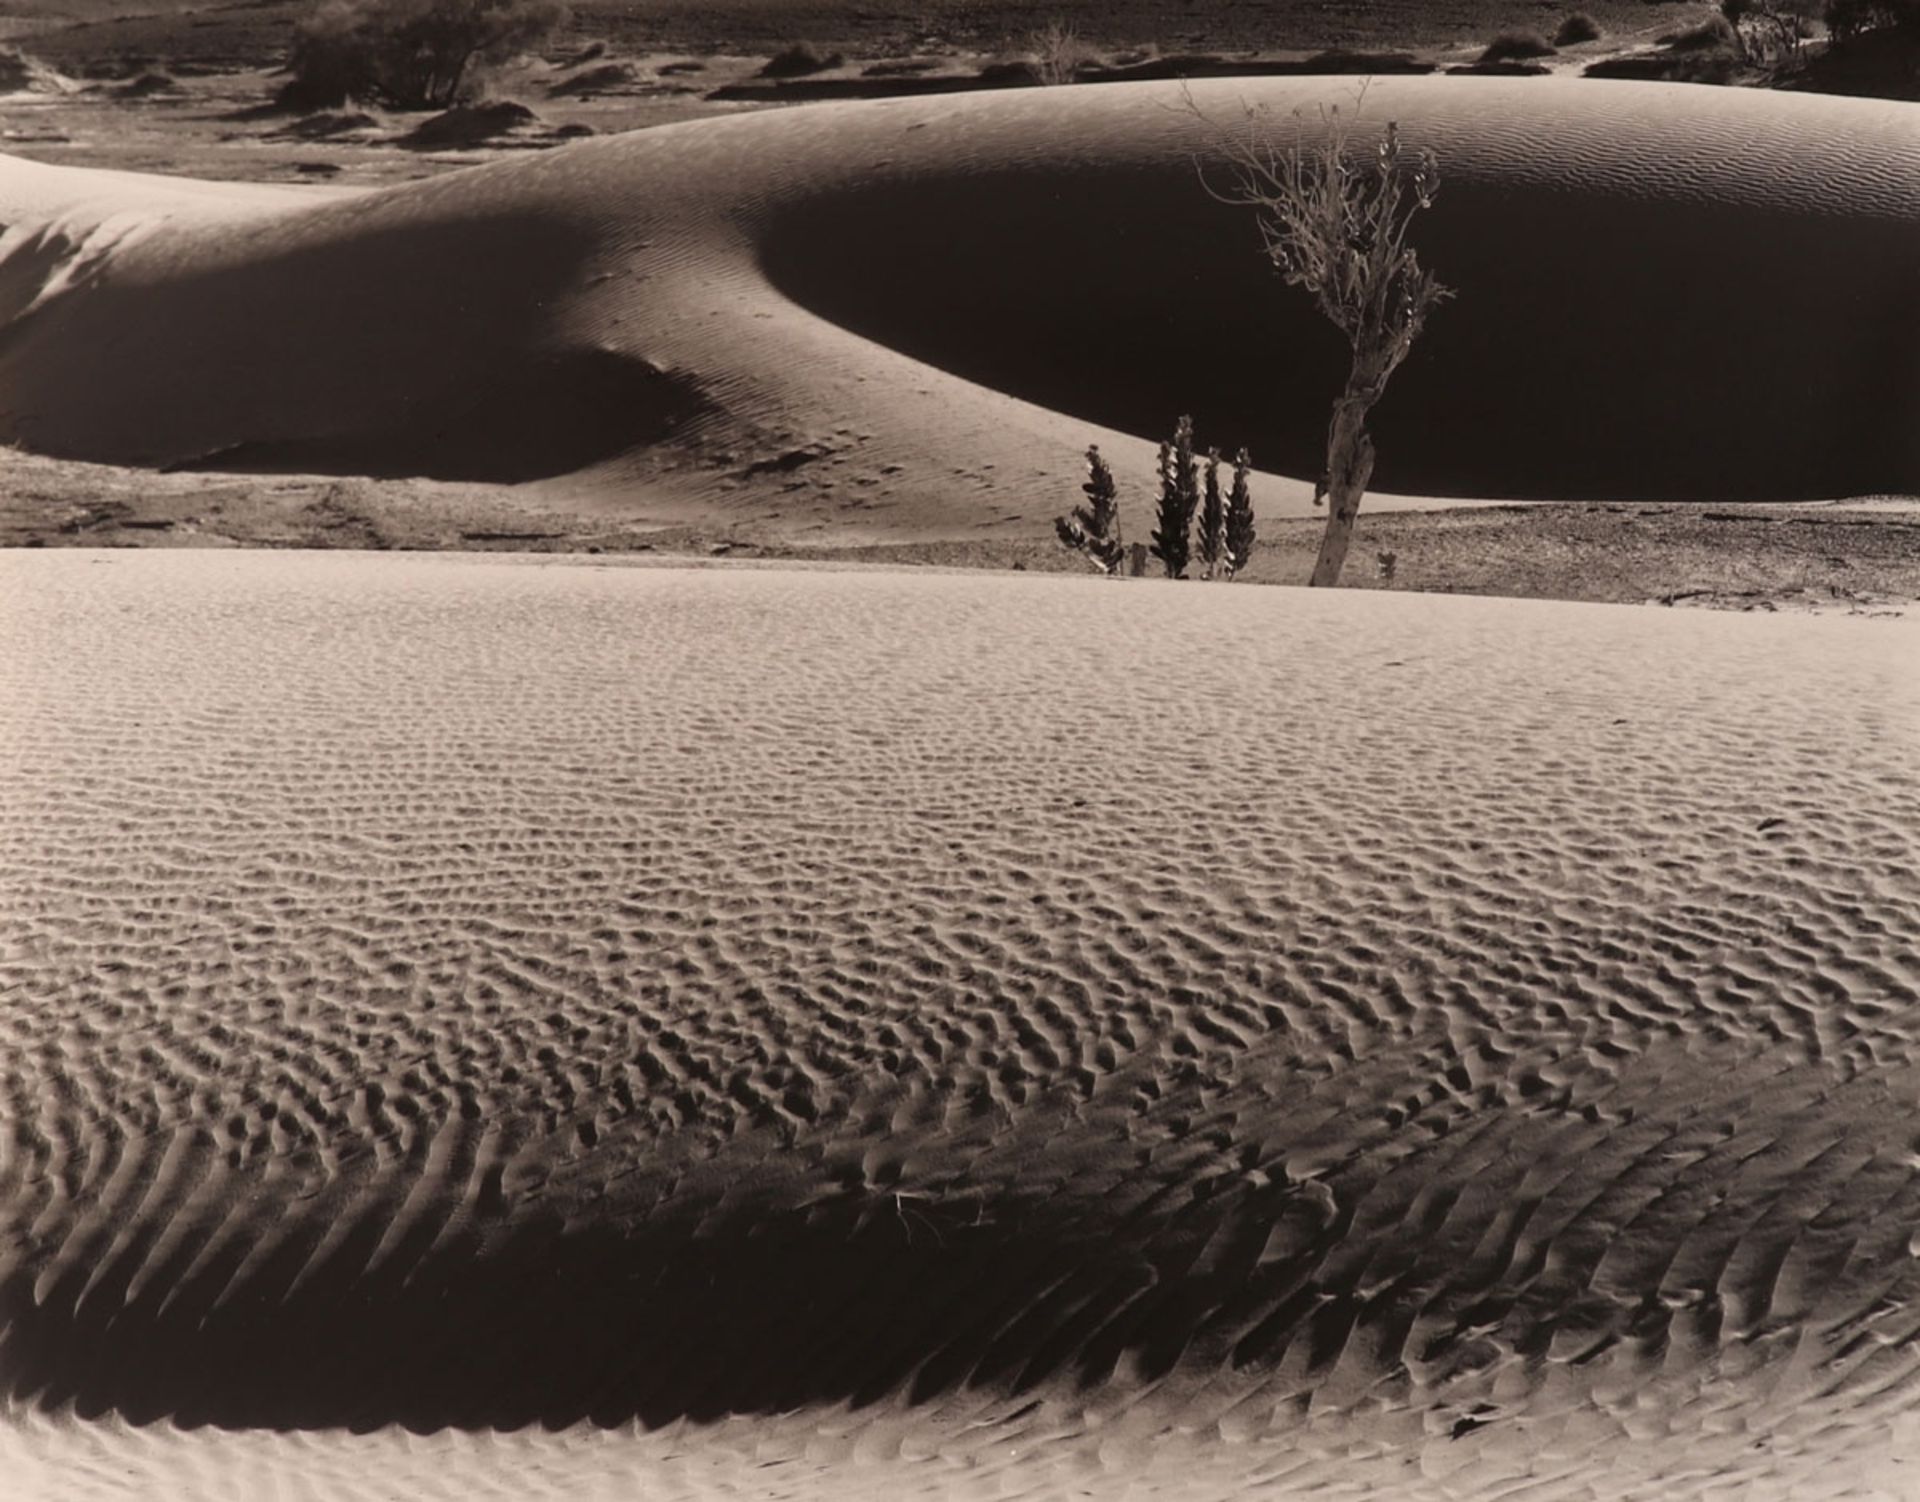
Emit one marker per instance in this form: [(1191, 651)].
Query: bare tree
[(1339, 229), (1058, 53)]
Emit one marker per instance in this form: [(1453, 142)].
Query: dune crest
[(910, 317)]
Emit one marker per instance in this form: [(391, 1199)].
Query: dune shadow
[(361, 337), (544, 1323), (1087, 1245), (531, 420), (1604, 344)]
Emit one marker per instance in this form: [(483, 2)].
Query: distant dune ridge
[(948, 1035), (912, 316)]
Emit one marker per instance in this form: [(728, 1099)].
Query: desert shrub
[(1179, 499), (1238, 538), (1213, 517), (1577, 28), (1226, 533), (1514, 46), (408, 54), (1094, 529), (799, 60), (1339, 230), (1058, 53)]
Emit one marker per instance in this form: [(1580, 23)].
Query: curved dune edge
[(910, 317), (1415, 1042)]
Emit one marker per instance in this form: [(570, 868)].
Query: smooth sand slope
[(912, 316), (969, 1034)]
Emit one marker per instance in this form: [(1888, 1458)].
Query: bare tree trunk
[(1349, 469)]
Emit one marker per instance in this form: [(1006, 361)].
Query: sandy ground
[(757, 1032), (1858, 557)]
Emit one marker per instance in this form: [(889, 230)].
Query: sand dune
[(1381, 1046), (911, 316)]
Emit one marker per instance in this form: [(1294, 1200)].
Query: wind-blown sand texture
[(912, 316), (793, 1032)]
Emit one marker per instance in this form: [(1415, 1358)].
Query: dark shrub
[(1514, 46), (1213, 517), (1577, 28), (408, 54), (1240, 535), (799, 60), (1094, 529), (1179, 499)]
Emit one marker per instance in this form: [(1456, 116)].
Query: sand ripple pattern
[(1420, 1037)]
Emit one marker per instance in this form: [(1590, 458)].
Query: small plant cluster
[(1188, 490)]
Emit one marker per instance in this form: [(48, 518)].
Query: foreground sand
[(907, 319), (752, 1033)]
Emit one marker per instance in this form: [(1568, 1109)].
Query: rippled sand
[(981, 1035)]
